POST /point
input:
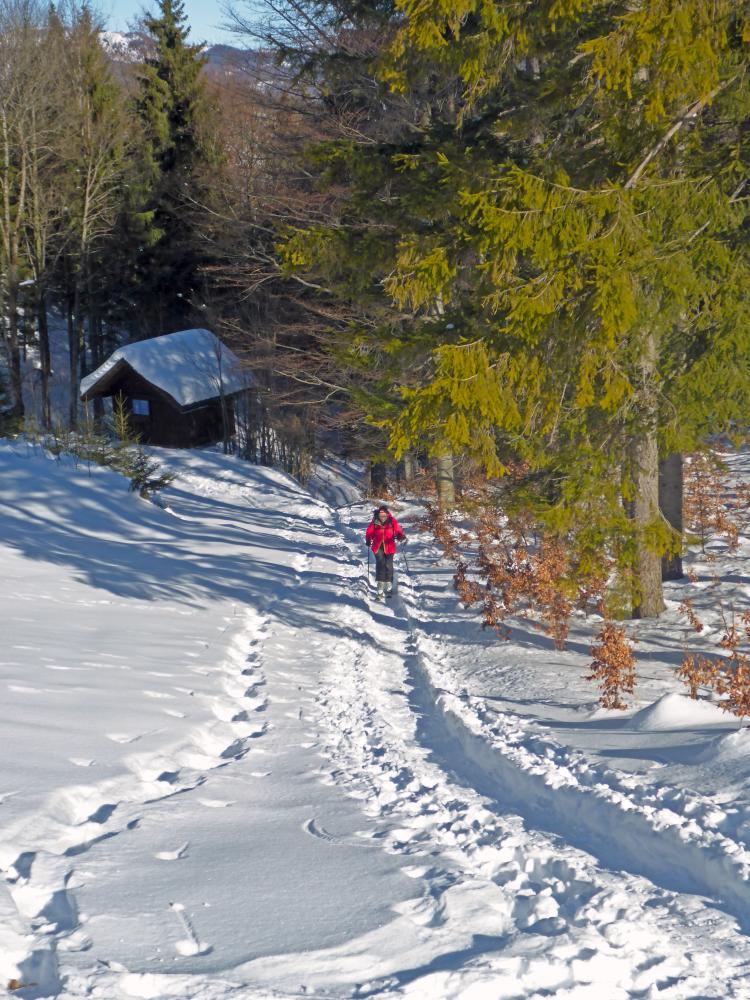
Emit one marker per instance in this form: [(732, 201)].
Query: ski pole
[(406, 561)]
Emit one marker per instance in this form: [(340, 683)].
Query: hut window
[(141, 408)]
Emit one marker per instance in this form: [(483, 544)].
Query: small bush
[(713, 504), (119, 450), (727, 675), (502, 565), (142, 471), (613, 665)]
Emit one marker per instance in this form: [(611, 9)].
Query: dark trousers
[(383, 566)]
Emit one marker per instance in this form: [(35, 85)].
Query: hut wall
[(166, 424)]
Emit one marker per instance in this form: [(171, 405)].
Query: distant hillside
[(222, 60)]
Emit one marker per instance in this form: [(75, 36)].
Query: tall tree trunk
[(445, 473), (14, 350), (81, 335), (648, 599), (45, 360), (92, 325), (225, 432), (670, 503), (96, 346), (73, 357)]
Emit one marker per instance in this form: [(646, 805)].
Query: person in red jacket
[(381, 535)]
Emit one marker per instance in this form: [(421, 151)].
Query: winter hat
[(383, 508)]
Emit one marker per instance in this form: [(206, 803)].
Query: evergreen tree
[(333, 51), (564, 234), (175, 157)]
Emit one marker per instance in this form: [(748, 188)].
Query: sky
[(205, 17)]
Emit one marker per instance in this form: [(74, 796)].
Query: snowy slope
[(224, 773)]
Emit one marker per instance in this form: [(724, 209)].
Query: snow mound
[(676, 711), (730, 746)]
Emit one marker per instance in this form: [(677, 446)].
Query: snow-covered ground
[(225, 773)]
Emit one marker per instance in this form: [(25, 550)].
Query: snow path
[(200, 854), (290, 790), (674, 775), (436, 778), (680, 838)]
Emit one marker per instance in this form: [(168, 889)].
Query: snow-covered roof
[(191, 366)]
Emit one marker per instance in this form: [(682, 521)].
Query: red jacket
[(378, 534)]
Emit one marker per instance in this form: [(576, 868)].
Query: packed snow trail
[(434, 772), (177, 858), (285, 793)]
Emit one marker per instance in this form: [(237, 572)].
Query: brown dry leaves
[(613, 665), (728, 674), (714, 504), (510, 571)]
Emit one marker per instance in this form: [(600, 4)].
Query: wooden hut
[(179, 390)]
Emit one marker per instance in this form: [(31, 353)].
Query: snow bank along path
[(286, 788)]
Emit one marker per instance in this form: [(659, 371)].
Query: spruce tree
[(563, 237), (21, 97), (172, 107)]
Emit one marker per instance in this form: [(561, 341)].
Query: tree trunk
[(96, 350), (45, 360), (670, 503), (73, 356), (14, 350), (445, 481), (648, 600), (83, 366), (224, 423)]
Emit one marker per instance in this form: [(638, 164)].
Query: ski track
[(677, 837), (37, 855), (495, 818)]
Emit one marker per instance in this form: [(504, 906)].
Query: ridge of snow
[(728, 747)]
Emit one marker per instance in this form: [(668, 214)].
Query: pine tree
[(172, 108)]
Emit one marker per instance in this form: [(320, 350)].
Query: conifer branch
[(688, 115)]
